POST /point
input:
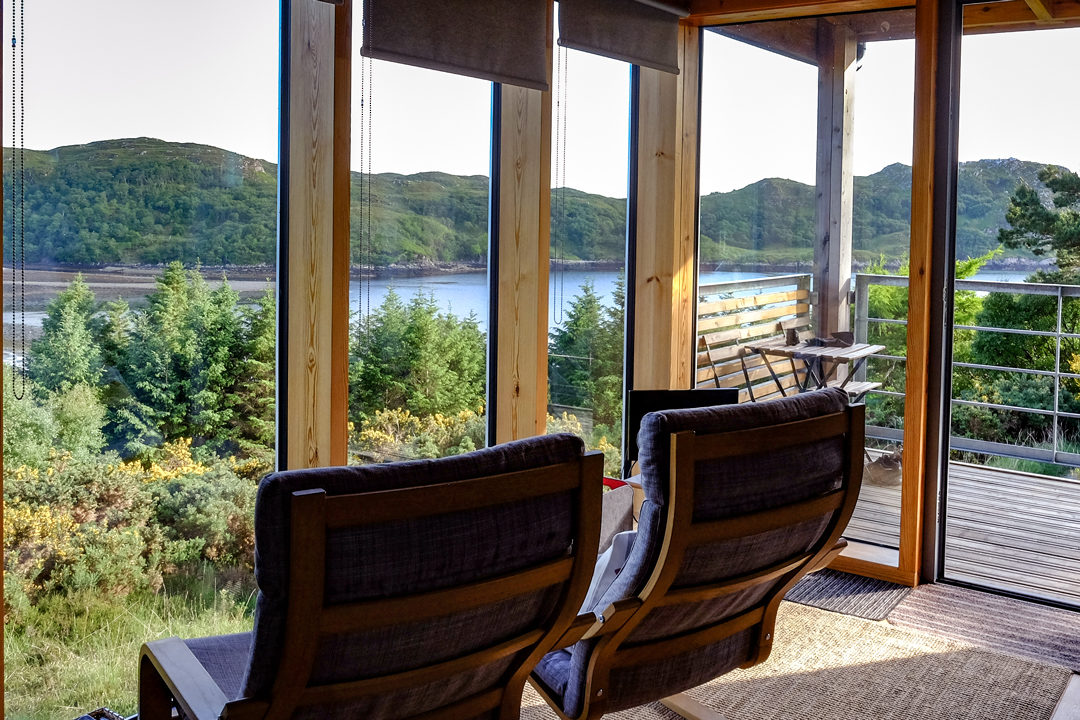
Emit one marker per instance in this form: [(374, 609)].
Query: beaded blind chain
[(367, 242), (559, 226), (18, 198)]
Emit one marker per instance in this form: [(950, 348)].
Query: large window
[(139, 343), (591, 105), (419, 243)]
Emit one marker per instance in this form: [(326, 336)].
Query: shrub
[(397, 434), (99, 524), (209, 516)]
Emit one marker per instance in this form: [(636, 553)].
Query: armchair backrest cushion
[(408, 557), (723, 488)]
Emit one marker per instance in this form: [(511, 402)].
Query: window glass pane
[(139, 251), (805, 224), (591, 101), (419, 288), (1014, 447)]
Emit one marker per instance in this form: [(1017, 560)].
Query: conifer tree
[(66, 354)]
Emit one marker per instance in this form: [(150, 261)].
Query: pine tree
[(1042, 229), (253, 417), (66, 354), (574, 349)]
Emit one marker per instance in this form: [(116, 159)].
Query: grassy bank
[(70, 654)]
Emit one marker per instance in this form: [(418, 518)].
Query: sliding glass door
[(1012, 502)]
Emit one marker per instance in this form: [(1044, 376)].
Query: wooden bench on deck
[(765, 309)]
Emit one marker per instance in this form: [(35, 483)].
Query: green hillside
[(772, 220), (145, 201)]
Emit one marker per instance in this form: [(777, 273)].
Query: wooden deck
[(1005, 530)]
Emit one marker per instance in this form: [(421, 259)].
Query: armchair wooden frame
[(170, 675), (682, 533)]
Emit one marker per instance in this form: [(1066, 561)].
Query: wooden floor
[(1005, 530)]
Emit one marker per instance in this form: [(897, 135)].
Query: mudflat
[(130, 283)]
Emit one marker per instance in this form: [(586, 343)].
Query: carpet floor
[(991, 621), (849, 594), (828, 666)]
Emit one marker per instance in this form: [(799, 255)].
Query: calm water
[(466, 293)]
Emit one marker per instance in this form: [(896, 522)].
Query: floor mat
[(849, 594)]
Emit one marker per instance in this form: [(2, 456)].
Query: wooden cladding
[(519, 392), (313, 343), (667, 142)]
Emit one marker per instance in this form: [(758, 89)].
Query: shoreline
[(136, 274)]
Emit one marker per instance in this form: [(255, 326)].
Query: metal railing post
[(862, 317), (1057, 371)]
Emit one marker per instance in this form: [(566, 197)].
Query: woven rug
[(999, 623), (849, 594), (827, 666)]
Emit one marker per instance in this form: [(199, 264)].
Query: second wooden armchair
[(740, 502)]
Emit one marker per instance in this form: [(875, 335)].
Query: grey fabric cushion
[(640, 684), (553, 671), (723, 488), (654, 443), (225, 658), (408, 557)]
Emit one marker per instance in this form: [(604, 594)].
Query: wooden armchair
[(740, 502), (425, 589)]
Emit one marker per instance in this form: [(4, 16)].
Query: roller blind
[(642, 32), (500, 40)]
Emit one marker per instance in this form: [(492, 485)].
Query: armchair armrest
[(185, 679), (587, 625), (578, 629)]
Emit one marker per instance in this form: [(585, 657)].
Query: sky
[(205, 71)]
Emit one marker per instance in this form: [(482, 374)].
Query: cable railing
[(1059, 412), (1058, 335)]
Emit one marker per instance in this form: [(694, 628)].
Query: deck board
[(1006, 530)]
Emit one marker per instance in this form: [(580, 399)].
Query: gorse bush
[(112, 526), (397, 434)]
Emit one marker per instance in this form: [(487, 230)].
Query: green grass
[(71, 654)]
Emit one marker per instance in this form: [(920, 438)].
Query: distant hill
[(772, 221), (146, 201)]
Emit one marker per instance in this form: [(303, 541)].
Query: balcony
[(1012, 496)]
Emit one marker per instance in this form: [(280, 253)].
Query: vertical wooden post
[(313, 327), (832, 247), (666, 203), (523, 235)]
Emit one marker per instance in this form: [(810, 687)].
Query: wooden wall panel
[(664, 299), (312, 338), (523, 238)]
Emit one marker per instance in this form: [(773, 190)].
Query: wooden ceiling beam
[(1042, 9), (725, 12), (1000, 16), (1017, 15), (796, 39)]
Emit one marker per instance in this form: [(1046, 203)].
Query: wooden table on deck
[(821, 363)]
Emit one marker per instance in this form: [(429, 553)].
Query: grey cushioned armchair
[(740, 502), (419, 589)]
